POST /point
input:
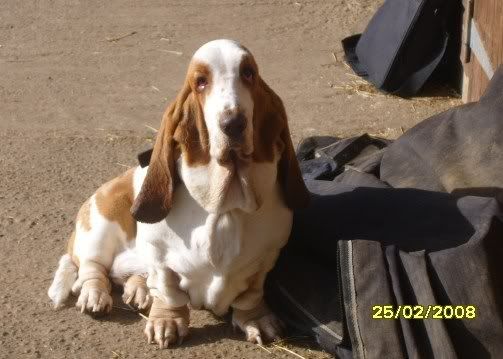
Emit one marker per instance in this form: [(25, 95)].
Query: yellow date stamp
[(424, 312)]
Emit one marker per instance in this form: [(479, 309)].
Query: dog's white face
[(225, 136), (224, 75)]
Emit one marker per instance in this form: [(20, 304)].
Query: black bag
[(383, 231), (402, 45)]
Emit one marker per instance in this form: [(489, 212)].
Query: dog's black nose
[(233, 126)]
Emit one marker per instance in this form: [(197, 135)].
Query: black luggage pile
[(415, 222)]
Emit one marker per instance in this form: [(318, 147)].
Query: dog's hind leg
[(97, 240), (64, 278), (103, 230), (106, 232)]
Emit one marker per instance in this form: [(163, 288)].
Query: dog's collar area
[(144, 157)]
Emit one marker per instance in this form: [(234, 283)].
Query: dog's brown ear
[(156, 195), (271, 127), (290, 177)]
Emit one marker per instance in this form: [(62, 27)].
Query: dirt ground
[(75, 107)]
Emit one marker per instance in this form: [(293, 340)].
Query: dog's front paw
[(94, 298), (136, 292), (166, 325), (259, 324)]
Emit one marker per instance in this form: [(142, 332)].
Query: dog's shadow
[(215, 333), (220, 329), (120, 313), (224, 330), (207, 333)]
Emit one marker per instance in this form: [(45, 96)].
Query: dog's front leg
[(168, 320), (252, 315), (167, 325), (136, 292)]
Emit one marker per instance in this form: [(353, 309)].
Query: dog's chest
[(205, 250), (206, 261), (214, 255), (209, 247)]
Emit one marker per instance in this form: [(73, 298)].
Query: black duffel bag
[(403, 44)]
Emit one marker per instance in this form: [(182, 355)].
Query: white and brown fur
[(206, 219)]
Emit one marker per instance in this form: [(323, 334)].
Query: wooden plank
[(489, 17), (465, 34), (478, 80), (465, 54)]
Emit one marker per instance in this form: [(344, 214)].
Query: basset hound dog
[(204, 223)]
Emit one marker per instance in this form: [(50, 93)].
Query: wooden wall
[(488, 15)]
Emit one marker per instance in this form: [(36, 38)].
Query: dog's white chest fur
[(212, 255)]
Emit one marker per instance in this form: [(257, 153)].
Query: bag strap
[(349, 46)]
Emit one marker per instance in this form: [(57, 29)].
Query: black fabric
[(460, 150), (418, 221), (144, 157), (403, 44)]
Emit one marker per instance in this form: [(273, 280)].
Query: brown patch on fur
[(271, 134), (192, 134), (114, 200), (269, 121), (182, 131), (83, 220), (196, 71), (248, 63), (84, 214)]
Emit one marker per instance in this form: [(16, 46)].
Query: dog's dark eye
[(248, 74), (201, 83)]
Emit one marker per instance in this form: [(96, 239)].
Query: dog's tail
[(64, 278)]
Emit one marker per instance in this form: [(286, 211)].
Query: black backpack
[(403, 44)]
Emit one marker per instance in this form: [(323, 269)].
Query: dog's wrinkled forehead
[(222, 56)]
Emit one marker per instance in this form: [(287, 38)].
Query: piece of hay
[(122, 165), (359, 87), (151, 128), (177, 53), (288, 351), (334, 55), (116, 355), (264, 348), (117, 38)]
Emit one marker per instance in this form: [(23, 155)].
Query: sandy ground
[(74, 111)]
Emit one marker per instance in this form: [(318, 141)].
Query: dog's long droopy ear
[(274, 127), (156, 195), (294, 188)]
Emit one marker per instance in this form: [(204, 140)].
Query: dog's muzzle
[(233, 127)]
